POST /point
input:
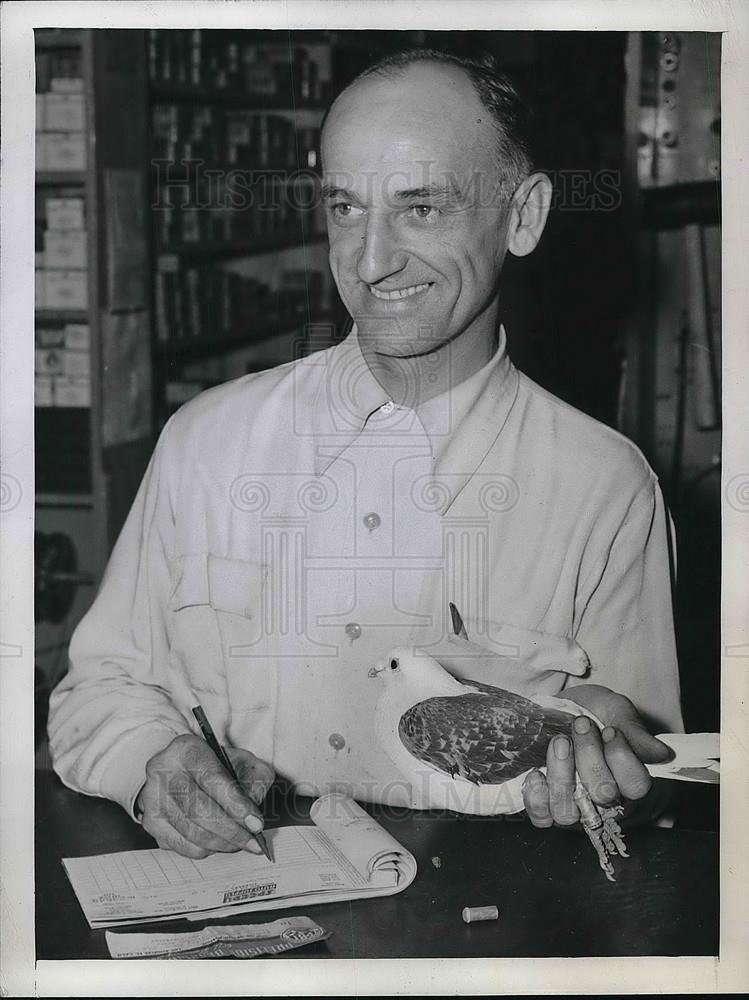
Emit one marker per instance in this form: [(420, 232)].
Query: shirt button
[(387, 407), (353, 630), (372, 521), (336, 741)]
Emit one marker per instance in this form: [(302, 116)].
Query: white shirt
[(294, 525)]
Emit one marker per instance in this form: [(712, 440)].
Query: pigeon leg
[(602, 829), (613, 837)]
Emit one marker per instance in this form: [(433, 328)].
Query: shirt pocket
[(229, 585), (216, 607)]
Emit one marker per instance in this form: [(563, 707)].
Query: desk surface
[(553, 899)]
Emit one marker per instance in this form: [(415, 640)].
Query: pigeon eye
[(393, 664)]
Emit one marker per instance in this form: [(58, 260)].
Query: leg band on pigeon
[(602, 828)]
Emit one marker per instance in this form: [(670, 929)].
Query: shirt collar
[(462, 423)]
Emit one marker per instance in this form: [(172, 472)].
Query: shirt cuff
[(126, 775)]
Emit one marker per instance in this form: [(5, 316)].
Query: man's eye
[(424, 211), (343, 210)]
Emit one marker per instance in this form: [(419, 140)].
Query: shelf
[(64, 500), (56, 317), (63, 39), (161, 90), (60, 178), (240, 248), (205, 346)]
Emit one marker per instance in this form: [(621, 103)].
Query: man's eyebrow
[(428, 191), (331, 191)]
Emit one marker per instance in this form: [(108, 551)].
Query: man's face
[(417, 227)]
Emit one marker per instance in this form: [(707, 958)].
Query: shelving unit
[(57, 317), (60, 178), (234, 287), (190, 94), (65, 74), (673, 350), (236, 248), (92, 439)]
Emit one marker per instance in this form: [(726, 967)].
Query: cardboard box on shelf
[(76, 364), (48, 361), (67, 289), (72, 391), (40, 288), (43, 395), (40, 157), (66, 84), (65, 249), (65, 213), (41, 108), (65, 113), (65, 151), (49, 336), (77, 336)]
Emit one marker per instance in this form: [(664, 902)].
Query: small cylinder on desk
[(473, 913)]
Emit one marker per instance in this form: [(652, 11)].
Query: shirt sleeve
[(111, 712), (626, 621)]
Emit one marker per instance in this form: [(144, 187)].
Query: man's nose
[(380, 255)]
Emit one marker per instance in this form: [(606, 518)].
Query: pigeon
[(468, 746)]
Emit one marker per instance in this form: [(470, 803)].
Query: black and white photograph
[(375, 511)]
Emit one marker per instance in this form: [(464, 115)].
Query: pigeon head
[(407, 667)]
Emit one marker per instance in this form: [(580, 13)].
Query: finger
[(647, 747), (255, 775), (170, 840), (181, 803), (221, 787), (629, 772), (591, 764), (560, 778), (536, 800), (200, 819)]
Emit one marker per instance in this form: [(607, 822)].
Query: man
[(296, 524)]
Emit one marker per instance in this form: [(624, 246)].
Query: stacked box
[(60, 112), (72, 392), (66, 290), (64, 113), (43, 390), (62, 366), (62, 282), (64, 213)]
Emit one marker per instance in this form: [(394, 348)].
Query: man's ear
[(529, 210)]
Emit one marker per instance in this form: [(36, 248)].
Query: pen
[(213, 743)]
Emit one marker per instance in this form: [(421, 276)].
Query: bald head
[(468, 103)]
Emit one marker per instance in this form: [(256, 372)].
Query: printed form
[(345, 855)]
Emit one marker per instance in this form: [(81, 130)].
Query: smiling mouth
[(398, 293)]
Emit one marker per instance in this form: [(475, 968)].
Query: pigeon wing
[(486, 738)]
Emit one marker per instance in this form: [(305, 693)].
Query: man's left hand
[(609, 762)]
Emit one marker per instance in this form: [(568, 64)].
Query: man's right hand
[(191, 805)]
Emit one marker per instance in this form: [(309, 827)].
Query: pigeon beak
[(375, 671)]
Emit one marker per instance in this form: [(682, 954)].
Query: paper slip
[(697, 758), (233, 941)]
